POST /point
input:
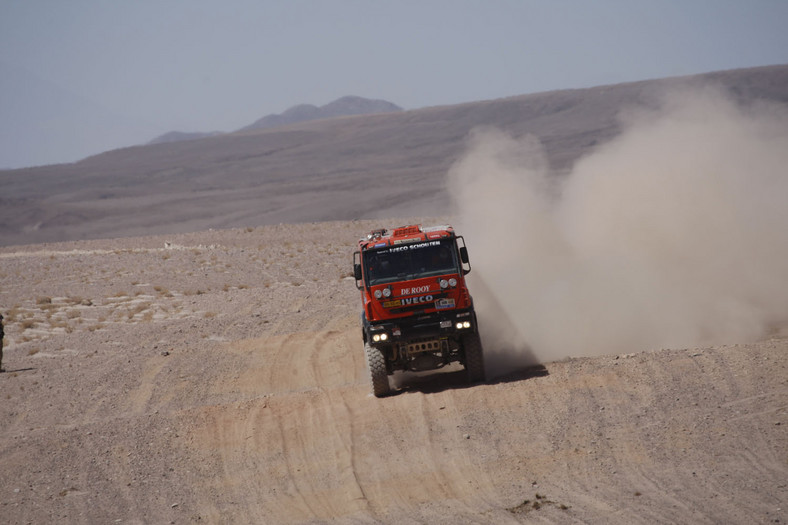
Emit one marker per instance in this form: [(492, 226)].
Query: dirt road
[(220, 379)]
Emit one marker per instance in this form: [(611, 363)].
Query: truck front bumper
[(423, 327)]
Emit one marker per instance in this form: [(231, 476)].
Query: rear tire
[(376, 362), (474, 357)]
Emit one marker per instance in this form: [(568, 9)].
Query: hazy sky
[(145, 67)]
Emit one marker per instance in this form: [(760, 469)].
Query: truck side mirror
[(357, 269), (466, 265)]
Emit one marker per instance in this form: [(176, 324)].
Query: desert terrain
[(219, 377)]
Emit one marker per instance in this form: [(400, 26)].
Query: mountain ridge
[(344, 106), (341, 107)]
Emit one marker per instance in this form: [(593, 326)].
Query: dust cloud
[(672, 235)]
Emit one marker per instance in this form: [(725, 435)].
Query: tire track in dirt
[(651, 441), (314, 444), (295, 432), (609, 436), (283, 429)]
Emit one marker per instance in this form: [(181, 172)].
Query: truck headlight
[(452, 282), (386, 292), (444, 283), (463, 324), (380, 337), (378, 294)]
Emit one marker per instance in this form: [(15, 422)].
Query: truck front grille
[(431, 345)]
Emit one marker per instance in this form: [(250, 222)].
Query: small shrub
[(11, 314), (57, 323), (137, 309)]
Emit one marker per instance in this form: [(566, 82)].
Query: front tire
[(376, 362), (474, 357)]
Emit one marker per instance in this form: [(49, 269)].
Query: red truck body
[(417, 311)]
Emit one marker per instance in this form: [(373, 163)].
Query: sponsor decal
[(395, 249), (415, 290), (424, 245), (392, 304), (416, 300), (416, 246), (443, 304)]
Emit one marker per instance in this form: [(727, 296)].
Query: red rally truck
[(417, 311)]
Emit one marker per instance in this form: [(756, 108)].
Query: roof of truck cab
[(404, 235)]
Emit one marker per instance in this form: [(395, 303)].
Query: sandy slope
[(222, 380)]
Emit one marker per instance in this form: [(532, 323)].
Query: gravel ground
[(219, 377)]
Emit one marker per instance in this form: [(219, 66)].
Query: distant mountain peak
[(341, 107), (178, 136)]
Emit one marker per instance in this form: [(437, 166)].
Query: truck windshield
[(410, 261)]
